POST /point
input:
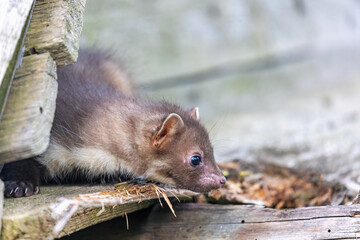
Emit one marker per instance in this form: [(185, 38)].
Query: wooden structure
[(55, 28), (14, 22), (25, 128), (47, 32), (208, 221), (54, 32), (61, 210), (50, 30)]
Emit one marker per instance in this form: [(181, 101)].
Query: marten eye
[(195, 160)]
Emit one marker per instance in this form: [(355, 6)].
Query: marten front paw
[(20, 189)]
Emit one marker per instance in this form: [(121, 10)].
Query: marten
[(102, 131)]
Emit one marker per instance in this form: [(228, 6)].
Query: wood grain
[(207, 221), (28, 115), (55, 27), (34, 217), (1, 198), (14, 19)]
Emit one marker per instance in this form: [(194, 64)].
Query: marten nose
[(222, 181)]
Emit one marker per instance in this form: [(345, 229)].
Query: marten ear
[(194, 113), (172, 125)]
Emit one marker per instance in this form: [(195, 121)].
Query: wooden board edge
[(40, 224), (38, 141), (14, 63)]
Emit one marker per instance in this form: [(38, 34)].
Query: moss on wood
[(55, 27)]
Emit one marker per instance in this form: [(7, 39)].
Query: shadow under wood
[(117, 228)]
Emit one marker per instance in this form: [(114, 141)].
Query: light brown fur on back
[(102, 129), (118, 78)]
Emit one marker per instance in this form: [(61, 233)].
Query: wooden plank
[(55, 27), (38, 217), (1, 199), (207, 221), (26, 123), (14, 19)]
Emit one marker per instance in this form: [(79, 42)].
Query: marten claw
[(20, 189)]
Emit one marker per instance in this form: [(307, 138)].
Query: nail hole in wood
[(33, 51)]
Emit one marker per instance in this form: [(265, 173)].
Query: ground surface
[(275, 82)]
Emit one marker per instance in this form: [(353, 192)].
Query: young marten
[(102, 130)]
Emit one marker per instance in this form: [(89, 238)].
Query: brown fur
[(101, 129)]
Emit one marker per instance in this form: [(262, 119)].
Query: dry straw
[(123, 193)]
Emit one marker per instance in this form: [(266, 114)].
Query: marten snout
[(222, 181), (219, 181), (210, 181)]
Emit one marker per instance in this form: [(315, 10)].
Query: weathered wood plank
[(1, 199), (206, 221), (38, 216), (55, 27), (14, 19), (29, 218), (26, 123)]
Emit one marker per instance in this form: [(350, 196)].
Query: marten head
[(184, 154)]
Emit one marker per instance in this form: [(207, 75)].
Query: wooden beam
[(14, 19), (45, 216), (1, 198), (55, 27), (208, 221), (28, 115)]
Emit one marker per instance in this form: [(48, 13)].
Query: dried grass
[(123, 193), (277, 187)]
